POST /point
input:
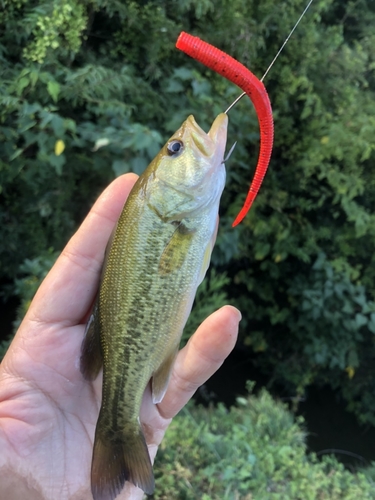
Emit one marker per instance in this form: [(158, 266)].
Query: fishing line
[(276, 56)]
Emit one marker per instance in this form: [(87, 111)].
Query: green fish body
[(155, 260)]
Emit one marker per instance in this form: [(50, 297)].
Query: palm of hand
[(48, 412)]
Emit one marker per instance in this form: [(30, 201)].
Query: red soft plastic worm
[(234, 71)]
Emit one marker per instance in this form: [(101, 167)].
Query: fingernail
[(238, 312)]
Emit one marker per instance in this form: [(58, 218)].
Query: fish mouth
[(202, 144), (197, 137), (207, 143), (218, 130)]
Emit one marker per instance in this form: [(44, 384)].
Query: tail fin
[(115, 461)]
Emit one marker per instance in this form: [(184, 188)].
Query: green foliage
[(90, 89), (32, 272), (254, 451), (336, 319), (4, 344), (53, 25)]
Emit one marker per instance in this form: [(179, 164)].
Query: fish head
[(189, 174)]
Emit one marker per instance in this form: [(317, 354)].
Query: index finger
[(69, 288), (200, 358)]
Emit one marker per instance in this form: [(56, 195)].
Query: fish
[(156, 258)]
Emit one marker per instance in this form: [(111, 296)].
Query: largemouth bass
[(155, 260)]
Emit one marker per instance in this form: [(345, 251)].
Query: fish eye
[(175, 147)]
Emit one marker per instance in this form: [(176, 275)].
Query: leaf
[(262, 251), (46, 119), (174, 86), (142, 139), (16, 154), (353, 360), (30, 109), (183, 73), (59, 147), (26, 125), (57, 162), (120, 167), (53, 88), (201, 87), (360, 320), (350, 371), (22, 84), (34, 77), (58, 125), (100, 143), (138, 164), (371, 323)]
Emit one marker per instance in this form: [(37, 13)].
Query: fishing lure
[(237, 73)]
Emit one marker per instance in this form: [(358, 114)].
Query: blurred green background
[(91, 89)]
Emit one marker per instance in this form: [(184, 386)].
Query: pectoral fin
[(161, 377), (176, 250), (91, 355)]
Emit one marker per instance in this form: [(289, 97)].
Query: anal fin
[(161, 377)]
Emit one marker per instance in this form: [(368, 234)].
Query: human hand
[(48, 411)]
